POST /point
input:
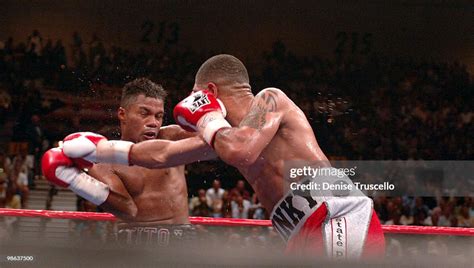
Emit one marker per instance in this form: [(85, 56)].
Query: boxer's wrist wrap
[(213, 123), (86, 186), (114, 152)]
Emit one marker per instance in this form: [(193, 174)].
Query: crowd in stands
[(361, 108), (235, 203), (14, 180)]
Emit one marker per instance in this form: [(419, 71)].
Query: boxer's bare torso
[(160, 195), (277, 122)]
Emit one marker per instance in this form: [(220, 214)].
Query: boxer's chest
[(138, 180)]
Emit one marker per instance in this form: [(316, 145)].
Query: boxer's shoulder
[(274, 99), (174, 132), (273, 90)]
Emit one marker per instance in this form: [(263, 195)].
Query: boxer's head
[(141, 110), (227, 78)]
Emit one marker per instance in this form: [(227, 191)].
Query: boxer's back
[(294, 140)]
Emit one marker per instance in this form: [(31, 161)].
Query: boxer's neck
[(125, 138), (238, 106)]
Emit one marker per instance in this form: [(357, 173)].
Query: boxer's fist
[(189, 111), (201, 111), (87, 148), (81, 148), (53, 164), (59, 170)]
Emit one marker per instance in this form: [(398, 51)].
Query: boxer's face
[(141, 120)]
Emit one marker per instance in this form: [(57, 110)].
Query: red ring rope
[(393, 229)]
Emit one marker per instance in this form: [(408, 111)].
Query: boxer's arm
[(175, 133), (165, 153), (240, 146), (119, 202)]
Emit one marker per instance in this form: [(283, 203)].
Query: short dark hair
[(141, 86), (222, 67)]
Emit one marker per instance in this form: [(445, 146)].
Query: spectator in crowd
[(35, 43), (257, 210), (58, 59), (5, 162), (463, 218), (198, 205), (239, 189), (420, 206), (240, 208), (196, 201), (217, 205), (394, 217), (36, 139), (226, 209), (406, 218), (5, 102), (51, 193), (433, 220), (19, 180), (419, 218), (12, 198), (3, 187), (214, 194), (470, 204), (380, 206), (447, 212)]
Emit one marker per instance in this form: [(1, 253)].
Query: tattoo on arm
[(266, 103)]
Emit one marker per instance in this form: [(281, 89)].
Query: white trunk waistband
[(345, 227)]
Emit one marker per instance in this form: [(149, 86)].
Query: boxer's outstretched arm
[(165, 153), (240, 146), (119, 202)]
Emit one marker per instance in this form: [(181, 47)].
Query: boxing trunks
[(322, 223), (158, 235)]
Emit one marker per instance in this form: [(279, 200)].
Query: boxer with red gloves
[(151, 204), (87, 148), (268, 131), (202, 107)]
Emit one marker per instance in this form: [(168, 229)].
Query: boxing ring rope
[(388, 229)]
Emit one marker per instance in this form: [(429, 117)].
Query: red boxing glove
[(87, 148), (59, 170), (201, 111), (51, 160)]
